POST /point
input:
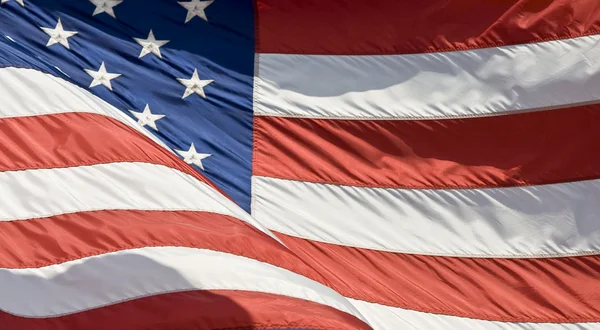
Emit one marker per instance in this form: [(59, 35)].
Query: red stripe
[(197, 310), (47, 241), (78, 139), (521, 149), (513, 290), (398, 27), (58, 239)]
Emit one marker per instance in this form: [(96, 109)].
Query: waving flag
[(350, 164), (436, 160), (103, 227)]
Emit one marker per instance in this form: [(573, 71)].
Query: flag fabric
[(102, 227), (436, 160), (350, 164)]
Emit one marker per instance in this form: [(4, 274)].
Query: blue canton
[(215, 116)]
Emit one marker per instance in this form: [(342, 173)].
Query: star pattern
[(194, 85), (102, 77), (58, 35), (150, 45), (21, 2), (147, 117), (105, 6), (196, 8), (193, 157)]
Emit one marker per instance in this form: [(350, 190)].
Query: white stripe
[(463, 83), (28, 92), (107, 279), (382, 317), (124, 186), (550, 220)]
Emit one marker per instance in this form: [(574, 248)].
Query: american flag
[(336, 164)]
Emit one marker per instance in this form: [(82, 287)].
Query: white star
[(147, 117), (194, 85), (193, 157), (196, 8), (151, 45), (17, 1), (102, 77), (58, 35), (105, 6)]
